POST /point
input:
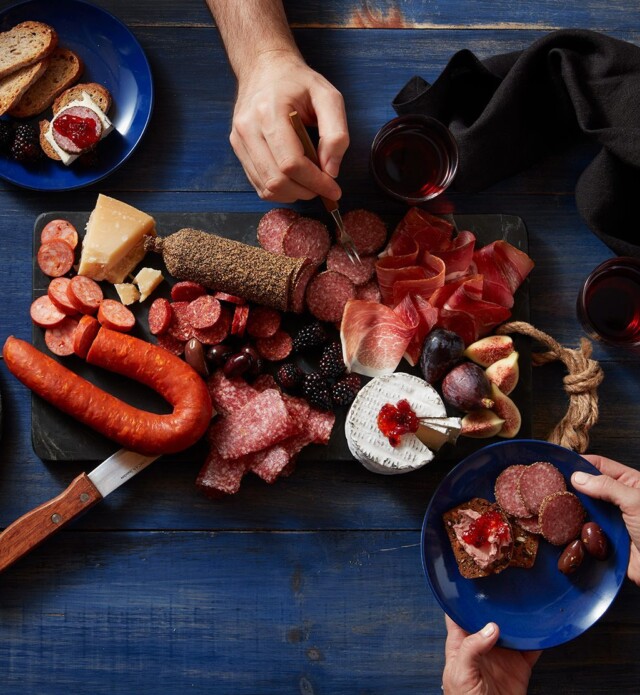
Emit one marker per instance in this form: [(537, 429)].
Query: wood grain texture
[(312, 585)]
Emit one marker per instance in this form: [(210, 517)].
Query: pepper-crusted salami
[(327, 295), (299, 288), (273, 226), (228, 266), (506, 491), (307, 238), (561, 517), (368, 230), (538, 480)]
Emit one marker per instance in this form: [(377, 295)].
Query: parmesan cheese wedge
[(114, 231), (147, 280), (127, 292)]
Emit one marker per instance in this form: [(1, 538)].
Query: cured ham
[(374, 337)]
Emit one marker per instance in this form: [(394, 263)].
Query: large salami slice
[(561, 517), (229, 395), (368, 230), (369, 292), (328, 294), (263, 322), (506, 491), (538, 481), (273, 226), (220, 476), (276, 347), (307, 238), (358, 273), (203, 311)]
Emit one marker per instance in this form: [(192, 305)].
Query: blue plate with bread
[(75, 83), (536, 605)]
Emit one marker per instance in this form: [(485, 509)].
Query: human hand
[(620, 485), (475, 666), (264, 140)]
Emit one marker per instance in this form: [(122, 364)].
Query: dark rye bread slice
[(64, 70), (525, 546), (466, 564), (25, 44)]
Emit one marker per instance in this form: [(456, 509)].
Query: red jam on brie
[(485, 537)]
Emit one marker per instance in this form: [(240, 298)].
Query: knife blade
[(85, 491)]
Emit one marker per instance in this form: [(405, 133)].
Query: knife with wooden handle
[(34, 527)]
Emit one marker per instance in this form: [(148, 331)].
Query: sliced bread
[(12, 87), (25, 44), (96, 91), (44, 143), (65, 68)]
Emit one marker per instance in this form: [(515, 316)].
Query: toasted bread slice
[(27, 43), (525, 546), (65, 68), (44, 143), (466, 564), (96, 91), (13, 86)]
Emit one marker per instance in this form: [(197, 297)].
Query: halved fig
[(504, 373), (506, 409), (488, 350), (481, 424)]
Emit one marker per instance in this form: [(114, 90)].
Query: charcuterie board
[(58, 437)]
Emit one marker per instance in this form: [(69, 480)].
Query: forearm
[(251, 29)]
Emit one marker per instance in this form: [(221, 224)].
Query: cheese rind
[(113, 231)]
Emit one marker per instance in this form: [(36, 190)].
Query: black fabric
[(510, 110)]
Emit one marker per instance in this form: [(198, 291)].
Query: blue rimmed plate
[(112, 57), (536, 608)]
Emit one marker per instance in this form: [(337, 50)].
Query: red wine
[(610, 301), (414, 158)]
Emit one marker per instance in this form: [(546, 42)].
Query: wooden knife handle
[(309, 152), (34, 527)]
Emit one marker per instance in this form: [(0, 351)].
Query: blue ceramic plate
[(536, 608), (112, 57)]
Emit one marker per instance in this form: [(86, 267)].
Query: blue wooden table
[(314, 584)]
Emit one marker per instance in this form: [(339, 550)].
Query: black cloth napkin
[(509, 110)]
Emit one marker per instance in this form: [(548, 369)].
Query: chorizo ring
[(133, 428)]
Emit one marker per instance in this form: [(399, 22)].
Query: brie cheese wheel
[(366, 442), (88, 103)]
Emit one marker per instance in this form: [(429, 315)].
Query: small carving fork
[(331, 205)]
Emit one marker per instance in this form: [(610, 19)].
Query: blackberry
[(331, 364), (6, 136), (25, 146), (289, 376), (344, 391), (317, 391), (310, 336)]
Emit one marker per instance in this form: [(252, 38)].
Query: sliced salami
[(561, 517), (204, 311), (530, 523), (229, 395), (368, 230), (298, 288), (358, 273), (537, 481), (230, 298), (275, 348), (59, 229), (307, 238), (506, 491), (60, 338), (45, 313), (180, 327), (369, 292), (269, 464), (273, 226), (55, 258), (85, 294), (263, 322), (116, 316), (239, 321), (187, 291), (57, 292), (320, 425), (327, 295), (218, 332), (171, 344), (85, 333), (220, 476), (160, 315)]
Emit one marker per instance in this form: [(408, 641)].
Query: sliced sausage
[(76, 129), (59, 229), (116, 316), (45, 313), (59, 339), (85, 294), (561, 517), (58, 294), (85, 333), (55, 258)]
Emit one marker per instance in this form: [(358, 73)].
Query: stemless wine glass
[(414, 158), (609, 302)]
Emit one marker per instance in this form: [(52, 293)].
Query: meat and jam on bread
[(481, 537)]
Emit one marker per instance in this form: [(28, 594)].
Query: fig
[(467, 388), (488, 350), (442, 350), (506, 409), (481, 424), (504, 373)]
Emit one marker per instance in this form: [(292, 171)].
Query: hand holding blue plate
[(112, 57), (536, 608)]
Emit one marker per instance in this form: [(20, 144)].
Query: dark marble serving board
[(58, 437)]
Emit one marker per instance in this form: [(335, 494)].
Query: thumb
[(477, 645), (603, 487)]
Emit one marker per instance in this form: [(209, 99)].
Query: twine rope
[(580, 384)]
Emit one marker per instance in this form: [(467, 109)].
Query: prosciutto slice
[(433, 278), (458, 257), (427, 317), (502, 263), (430, 232), (374, 336)]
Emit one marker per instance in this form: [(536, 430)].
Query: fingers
[(455, 636), (612, 468), (604, 487), (334, 133)]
